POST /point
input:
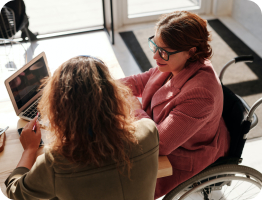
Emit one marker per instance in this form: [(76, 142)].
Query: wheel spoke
[(251, 197), (237, 185), (238, 197), (224, 192), (223, 195), (251, 187), (247, 191)]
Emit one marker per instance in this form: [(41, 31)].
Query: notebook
[(23, 86)]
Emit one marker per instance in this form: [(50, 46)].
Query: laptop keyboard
[(31, 111)]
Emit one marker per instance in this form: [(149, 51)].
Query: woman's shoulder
[(147, 124), (59, 163), (207, 65), (205, 74), (202, 70), (48, 156), (53, 158), (146, 134)]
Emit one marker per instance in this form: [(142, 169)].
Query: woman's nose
[(156, 55)]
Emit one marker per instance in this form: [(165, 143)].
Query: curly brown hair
[(182, 30), (89, 113)]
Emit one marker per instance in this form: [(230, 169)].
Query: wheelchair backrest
[(234, 114)]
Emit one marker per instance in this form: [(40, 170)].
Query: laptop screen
[(26, 85)]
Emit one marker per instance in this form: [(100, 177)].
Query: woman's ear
[(192, 51)]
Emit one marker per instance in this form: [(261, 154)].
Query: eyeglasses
[(162, 53)]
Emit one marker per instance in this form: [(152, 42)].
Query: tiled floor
[(43, 15), (97, 44)]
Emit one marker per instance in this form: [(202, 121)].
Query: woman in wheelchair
[(97, 149), (183, 96)]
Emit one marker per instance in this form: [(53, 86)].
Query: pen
[(3, 130), (35, 122)]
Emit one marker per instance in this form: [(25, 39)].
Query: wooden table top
[(13, 149)]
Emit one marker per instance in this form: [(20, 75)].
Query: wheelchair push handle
[(244, 58)]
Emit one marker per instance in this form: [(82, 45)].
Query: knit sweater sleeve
[(138, 82)]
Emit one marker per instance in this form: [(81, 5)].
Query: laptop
[(23, 86)]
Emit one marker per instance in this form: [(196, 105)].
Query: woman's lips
[(160, 65)]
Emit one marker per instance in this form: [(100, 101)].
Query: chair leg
[(27, 33)]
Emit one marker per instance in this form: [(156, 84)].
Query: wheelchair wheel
[(225, 182)]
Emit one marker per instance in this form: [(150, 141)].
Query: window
[(136, 11), (140, 8)]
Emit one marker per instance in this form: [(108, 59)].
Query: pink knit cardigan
[(187, 111)]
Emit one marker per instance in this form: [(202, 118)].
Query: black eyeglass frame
[(157, 49)]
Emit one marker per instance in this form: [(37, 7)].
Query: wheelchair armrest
[(253, 108), (252, 117)]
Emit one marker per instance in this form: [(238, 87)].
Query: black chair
[(12, 19)]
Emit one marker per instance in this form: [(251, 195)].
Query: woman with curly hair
[(184, 97), (98, 150)]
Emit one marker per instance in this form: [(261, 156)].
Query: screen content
[(25, 86)]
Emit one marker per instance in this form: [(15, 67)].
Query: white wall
[(222, 7), (248, 14)]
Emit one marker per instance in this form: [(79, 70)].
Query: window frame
[(205, 8)]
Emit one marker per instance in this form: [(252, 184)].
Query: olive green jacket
[(48, 180)]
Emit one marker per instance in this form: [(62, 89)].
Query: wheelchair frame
[(225, 170)]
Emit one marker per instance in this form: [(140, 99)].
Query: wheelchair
[(226, 179)]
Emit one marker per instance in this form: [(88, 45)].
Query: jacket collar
[(182, 77), (162, 93)]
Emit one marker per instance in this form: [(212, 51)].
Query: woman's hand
[(136, 103), (30, 139)]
